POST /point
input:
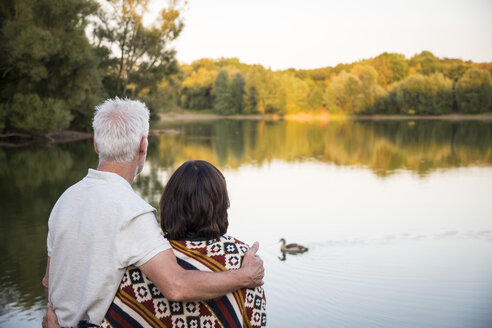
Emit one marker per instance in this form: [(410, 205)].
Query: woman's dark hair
[(195, 202)]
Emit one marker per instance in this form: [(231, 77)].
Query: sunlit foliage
[(386, 84), (353, 92), (391, 68)]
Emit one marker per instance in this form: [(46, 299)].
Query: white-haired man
[(99, 226)]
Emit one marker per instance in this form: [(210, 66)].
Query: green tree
[(420, 94), (140, 50), (197, 88), (266, 84), (474, 92), (31, 113), (47, 63), (237, 86), (222, 92), (251, 105)]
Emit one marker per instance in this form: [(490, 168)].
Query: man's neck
[(124, 170)]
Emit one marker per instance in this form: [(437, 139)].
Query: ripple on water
[(433, 282)]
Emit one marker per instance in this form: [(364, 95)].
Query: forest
[(59, 59)]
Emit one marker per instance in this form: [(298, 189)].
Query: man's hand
[(50, 320), (178, 284), (253, 266)]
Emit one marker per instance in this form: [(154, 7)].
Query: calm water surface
[(397, 216)]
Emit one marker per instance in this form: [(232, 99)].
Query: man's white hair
[(119, 125)]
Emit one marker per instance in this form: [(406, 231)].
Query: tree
[(32, 113), (420, 94), (369, 89), (251, 105), (140, 50), (315, 100), (425, 63), (474, 92), (294, 94), (47, 64), (353, 92), (454, 68), (222, 92), (391, 68), (197, 89), (237, 93)]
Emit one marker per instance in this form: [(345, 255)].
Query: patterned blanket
[(138, 302)]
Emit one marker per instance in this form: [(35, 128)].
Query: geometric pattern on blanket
[(138, 302)]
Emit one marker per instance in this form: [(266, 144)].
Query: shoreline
[(321, 117), (204, 117), (17, 139), (24, 139)]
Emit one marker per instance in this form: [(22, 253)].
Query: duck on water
[(292, 248)]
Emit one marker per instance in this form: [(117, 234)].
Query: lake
[(397, 215)]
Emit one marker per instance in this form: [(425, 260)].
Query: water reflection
[(382, 146), (32, 178)]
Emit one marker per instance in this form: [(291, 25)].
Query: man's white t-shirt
[(97, 228)]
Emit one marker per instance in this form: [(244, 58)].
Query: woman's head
[(195, 202)]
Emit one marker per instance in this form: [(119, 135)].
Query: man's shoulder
[(71, 191), (102, 196), (108, 191)]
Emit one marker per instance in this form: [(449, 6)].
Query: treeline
[(386, 84)]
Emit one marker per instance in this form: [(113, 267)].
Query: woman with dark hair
[(194, 217)]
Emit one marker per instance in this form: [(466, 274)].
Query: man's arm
[(46, 279), (178, 284)]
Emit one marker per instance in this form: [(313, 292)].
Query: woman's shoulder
[(224, 244), (232, 244), (219, 254)]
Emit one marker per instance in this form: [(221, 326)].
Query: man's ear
[(95, 145), (143, 146)]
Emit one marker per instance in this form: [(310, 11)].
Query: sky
[(309, 34)]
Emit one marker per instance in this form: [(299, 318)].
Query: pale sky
[(315, 33)]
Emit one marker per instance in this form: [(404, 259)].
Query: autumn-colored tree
[(197, 88), (425, 63), (391, 68), (353, 92)]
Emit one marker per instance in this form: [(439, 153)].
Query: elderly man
[(99, 226)]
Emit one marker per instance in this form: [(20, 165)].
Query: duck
[(292, 248)]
